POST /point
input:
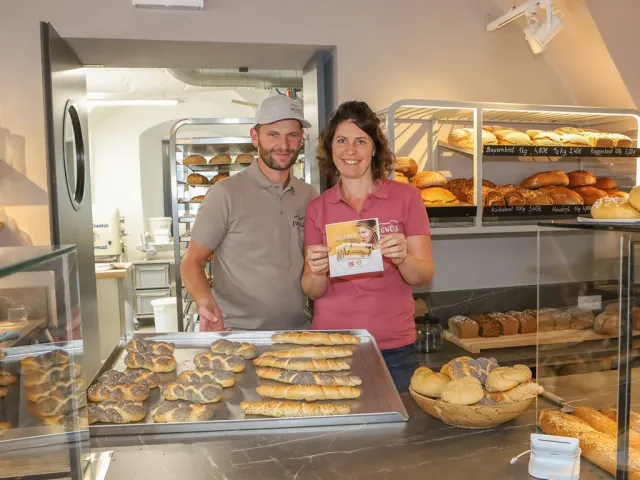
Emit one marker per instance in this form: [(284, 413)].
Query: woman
[(367, 231), (353, 146)]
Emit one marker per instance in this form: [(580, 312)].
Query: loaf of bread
[(7, 378), (116, 412), (308, 378), (465, 138), (621, 141), (505, 378), (293, 409), (463, 327), (194, 159), (513, 195), (428, 179), (438, 197), (102, 392), (400, 177), (595, 446), (635, 313), (462, 391), (560, 319), (492, 198), (604, 424), (245, 158), (140, 345), (309, 393), (528, 323), (546, 179), (45, 361), (153, 363), (211, 361), (428, 383), (508, 324), (519, 393), (581, 318), (613, 208), (315, 338), (218, 178), (536, 197), (197, 199), (63, 388), (617, 193), (607, 323), (598, 139), (302, 364), (221, 158), (605, 183), (546, 322), (512, 137), (192, 392), (590, 195), (573, 140), (114, 377), (55, 373), (563, 196), (539, 137), (223, 378), (634, 418), (634, 197), (406, 166), (488, 327), (479, 368), (197, 179), (180, 412), (581, 178), (227, 347), (311, 352)]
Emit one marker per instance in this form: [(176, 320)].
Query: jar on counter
[(428, 334)]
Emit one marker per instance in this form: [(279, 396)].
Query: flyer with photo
[(355, 247)]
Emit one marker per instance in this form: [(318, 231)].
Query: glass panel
[(16, 259)]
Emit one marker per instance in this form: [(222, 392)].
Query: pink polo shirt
[(381, 303)]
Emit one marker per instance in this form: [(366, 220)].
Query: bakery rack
[(419, 128)]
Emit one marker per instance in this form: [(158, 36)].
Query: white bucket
[(165, 311)]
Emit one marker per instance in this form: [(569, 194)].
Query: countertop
[(114, 273)]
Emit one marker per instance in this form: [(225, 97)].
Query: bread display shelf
[(378, 403), (551, 151), (218, 167), (439, 212), (478, 344), (537, 211)]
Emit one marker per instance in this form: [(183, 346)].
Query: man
[(254, 221)]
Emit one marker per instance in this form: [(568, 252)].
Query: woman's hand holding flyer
[(394, 247), (318, 257)]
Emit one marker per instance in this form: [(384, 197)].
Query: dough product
[(563, 196), (406, 166), (573, 140), (581, 318), (140, 345), (45, 361), (492, 198), (546, 320), (114, 377), (513, 195), (606, 183), (539, 137), (58, 405), (194, 160), (469, 367), (309, 393), (219, 177), (116, 412), (505, 378), (153, 363), (302, 364), (617, 193), (223, 378), (634, 197), (308, 378), (55, 373), (197, 179), (519, 393), (607, 323), (197, 199), (182, 412), (438, 197), (193, 392), (465, 138), (293, 409), (245, 158), (612, 208), (220, 159), (7, 378), (590, 195), (508, 324), (546, 179), (212, 361), (612, 413), (635, 313), (536, 197), (4, 391), (428, 179), (488, 326), (315, 338), (428, 383), (116, 393), (61, 389), (560, 319), (621, 141), (462, 391), (463, 327), (512, 137), (564, 130), (227, 347), (528, 323), (604, 424), (598, 139), (581, 178), (446, 367), (311, 352), (400, 177), (4, 427)]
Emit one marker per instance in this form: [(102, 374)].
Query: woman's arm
[(314, 275), (411, 255)]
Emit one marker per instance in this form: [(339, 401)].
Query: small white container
[(165, 312)]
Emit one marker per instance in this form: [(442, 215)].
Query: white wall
[(127, 156)]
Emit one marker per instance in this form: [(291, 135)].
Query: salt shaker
[(428, 334)]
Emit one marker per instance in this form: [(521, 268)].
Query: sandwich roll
[(462, 391), (606, 183), (581, 178), (562, 196), (429, 383), (613, 208), (505, 378), (438, 197)]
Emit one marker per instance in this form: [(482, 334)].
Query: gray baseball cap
[(279, 107)]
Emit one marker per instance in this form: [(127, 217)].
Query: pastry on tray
[(193, 392), (311, 352), (180, 412), (63, 387), (153, 363), (7, 378), (310, 393), (140, 345), (301, 364), (293, 409), (116, 393), (315, 338), (116, 412), (114, 377), (307, 378), (224, 378), (227, 347), (45, 361), (55, 373), (212, 361)]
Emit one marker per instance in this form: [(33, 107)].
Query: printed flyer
[(355, 247)]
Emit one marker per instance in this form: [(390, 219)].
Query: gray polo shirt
[(257, 231)]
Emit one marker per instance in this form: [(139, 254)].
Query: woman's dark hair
[(360, 114)]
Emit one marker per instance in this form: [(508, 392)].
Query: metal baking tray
[(379, 401)]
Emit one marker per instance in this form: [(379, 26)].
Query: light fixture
[(130, 102), (537, 34), (172, 4)]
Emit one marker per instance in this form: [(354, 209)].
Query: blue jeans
[(401, 362)]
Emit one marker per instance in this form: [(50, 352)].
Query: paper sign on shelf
[(355, 247)]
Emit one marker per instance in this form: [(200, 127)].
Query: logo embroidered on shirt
[(298, 222), (389, 227)]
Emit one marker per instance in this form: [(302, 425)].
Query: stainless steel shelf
[(218, 167)]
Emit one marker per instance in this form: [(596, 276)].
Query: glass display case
[(594, 278), (43, 417)]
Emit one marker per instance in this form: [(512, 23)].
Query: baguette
[(308, 378), (64, 388), (226, 347), (6, 378), (140, 345), (210, 361), (194, 392), (302, 364), (116, 393), (604, 424), (520, 393), (223, 378), (317, 353), (153, 363), (315, 338), (114, 377), (310, 393), (116, 412), (293, 409), (181, 412), (634, 418)]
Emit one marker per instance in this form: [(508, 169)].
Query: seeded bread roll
[(245, 158), (227, 347), (45, 361), (302, 364), (179, 412), (546, 179), (612, 208), (197, 179), (462, 391), (210, 361), (617, 193), (522, 392), (478, 368), (293, 409), (140, 345), (505, 378), (116, 393), (308, 378), (194, 160), (116, 412), (315, 338), (311, 352), (223, 378), (193, 392), (153, 363), (463, 327)]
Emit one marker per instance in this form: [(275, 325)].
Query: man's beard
[(266, 157)]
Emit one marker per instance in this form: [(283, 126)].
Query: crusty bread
[(7, 378), (293, 409), (573, 140), (513, 195), (612, 413), (505, 378), (546, 179), (465, 138), (309, 393), (522, 392), (512, 137), (429, 383), (539, 137), (114, 377), (462, 391), (598, 139), (617, 193), (224, 378), (140, 345), (193, 392), (428, 179), (400, 177), (604, 424), (245, 158), (227, 347), (116, 412), (562, 196), (581, 318), (218, 178), (590, 194), (197, 199), (634, 197), (307, 378), (179, 412), (211, 361), (103, 392), (301, 364), (581, 178), (194, 159), (315, 338), (153, 363), (563, 130), (406, 166), (438, 197), (197, 179), (463, 327), (605, 183), (607, 323), (621, 141), (312, 352), (613, 208), (220, 159)]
